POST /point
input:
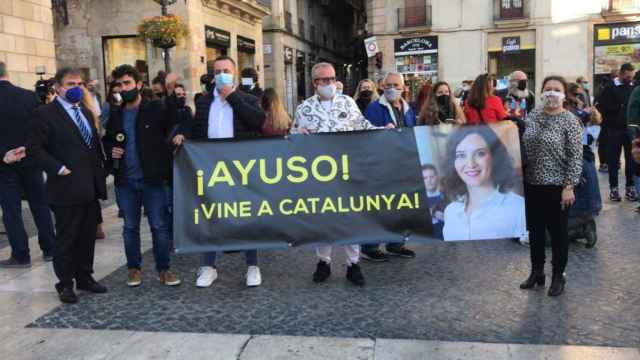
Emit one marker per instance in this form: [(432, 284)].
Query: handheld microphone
[(121, 140)]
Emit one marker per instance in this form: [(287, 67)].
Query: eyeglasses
[(326, 80)]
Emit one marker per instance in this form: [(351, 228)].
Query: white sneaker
[(524, 240), (206, 276), (253, 276)]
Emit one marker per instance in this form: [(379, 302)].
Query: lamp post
[(167, 57)]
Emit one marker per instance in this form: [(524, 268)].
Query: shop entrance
[(503, 64)]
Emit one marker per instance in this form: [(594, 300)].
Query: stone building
[(301, 33), (455, 40), (103, 34), (26, 40)]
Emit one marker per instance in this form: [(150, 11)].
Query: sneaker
[(254, 278), (374, 256), (524, 240), (603, 168), (47, 257), (322, 273), (614, 195), (354, 274), (168, 278), (134, 277), (206, 276), (402, 252), (631, 194), (12, 263)]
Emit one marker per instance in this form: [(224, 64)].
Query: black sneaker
[(322, 273), (603, 168), (354, 274), (402, 252), (631, 194), (374, 256), (12, 263), (47, 256), (614, 195)]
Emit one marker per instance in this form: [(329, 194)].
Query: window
[(414, 13), (511, 9), (621, 5), (287, 21), (301, 27)]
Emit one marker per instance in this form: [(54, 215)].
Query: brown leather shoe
[(168, 278), (134, 278)]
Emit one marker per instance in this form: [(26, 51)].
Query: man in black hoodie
[(612, 103)]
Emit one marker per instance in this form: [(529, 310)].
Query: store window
[(246, 53), (218, 42), (417, 60), (125, 50)]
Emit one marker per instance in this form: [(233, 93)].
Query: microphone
[(121, 140)]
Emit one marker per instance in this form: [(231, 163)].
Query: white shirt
[(499, 217), (220, 118), (96, 104), (339, 114)]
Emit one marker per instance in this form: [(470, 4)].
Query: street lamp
[(167, 58)]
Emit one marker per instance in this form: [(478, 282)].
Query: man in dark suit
[(19, 176), (65, 143)]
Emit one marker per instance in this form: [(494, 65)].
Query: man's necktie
[(85, 132)]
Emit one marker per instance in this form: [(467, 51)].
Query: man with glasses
[(390, 110), (329, 112), (65, 143)]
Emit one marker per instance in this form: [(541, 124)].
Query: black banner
[(336, 188)]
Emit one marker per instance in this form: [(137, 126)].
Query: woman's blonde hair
[(374, 93), (273, 106), (87, 102)]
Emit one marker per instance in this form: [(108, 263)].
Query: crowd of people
[(67, 131)]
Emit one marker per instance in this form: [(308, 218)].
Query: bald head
[(518, 75)]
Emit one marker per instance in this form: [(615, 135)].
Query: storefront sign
[(246, 45), (416, 46), (511, 44), (217, 37), (288, 55), (622, 33), (371, 45), (267, 49)]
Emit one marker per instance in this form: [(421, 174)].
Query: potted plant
[(163, 31)]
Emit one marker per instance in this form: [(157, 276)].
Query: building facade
[(27, 40), (301, 33), (100, 35), (456, 40)]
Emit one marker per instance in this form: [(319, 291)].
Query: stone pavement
[(454, 301)]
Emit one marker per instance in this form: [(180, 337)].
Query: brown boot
[(168, 278), (134, 278)]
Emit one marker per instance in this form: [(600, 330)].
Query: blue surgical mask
[(223, 79), (74, 95)]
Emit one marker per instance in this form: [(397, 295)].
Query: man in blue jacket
[(390, 108)]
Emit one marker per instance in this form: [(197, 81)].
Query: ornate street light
[(167, 57)]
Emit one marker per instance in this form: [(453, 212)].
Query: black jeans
[(544, 213), (13, 181), (619, 140), (602, 146)]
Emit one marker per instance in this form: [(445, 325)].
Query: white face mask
[(117, 97), (552, 99), (392, 94), (327, 91)]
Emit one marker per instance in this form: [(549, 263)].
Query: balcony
[(622, 7), (414, 18), (511, 13)]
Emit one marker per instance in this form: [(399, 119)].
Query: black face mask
[(366, 94), (443, 100), (159, 95), (380, 92), (209, 86), (245, 88), (522, 85), (130, 95), (182, 101)]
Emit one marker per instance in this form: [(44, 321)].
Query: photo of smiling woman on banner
[(480, 177)]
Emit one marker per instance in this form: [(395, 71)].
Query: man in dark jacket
[(136, 144), (249, 82), (612, 103), (226, 113), (16, 108), (517, 97), (65, 143)]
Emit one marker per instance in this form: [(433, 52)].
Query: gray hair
[(393, 73), (3, 69), (318, 66)]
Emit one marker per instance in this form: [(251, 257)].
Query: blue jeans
[(131, 196), (169, 192), (13, 182), (209, 259)]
